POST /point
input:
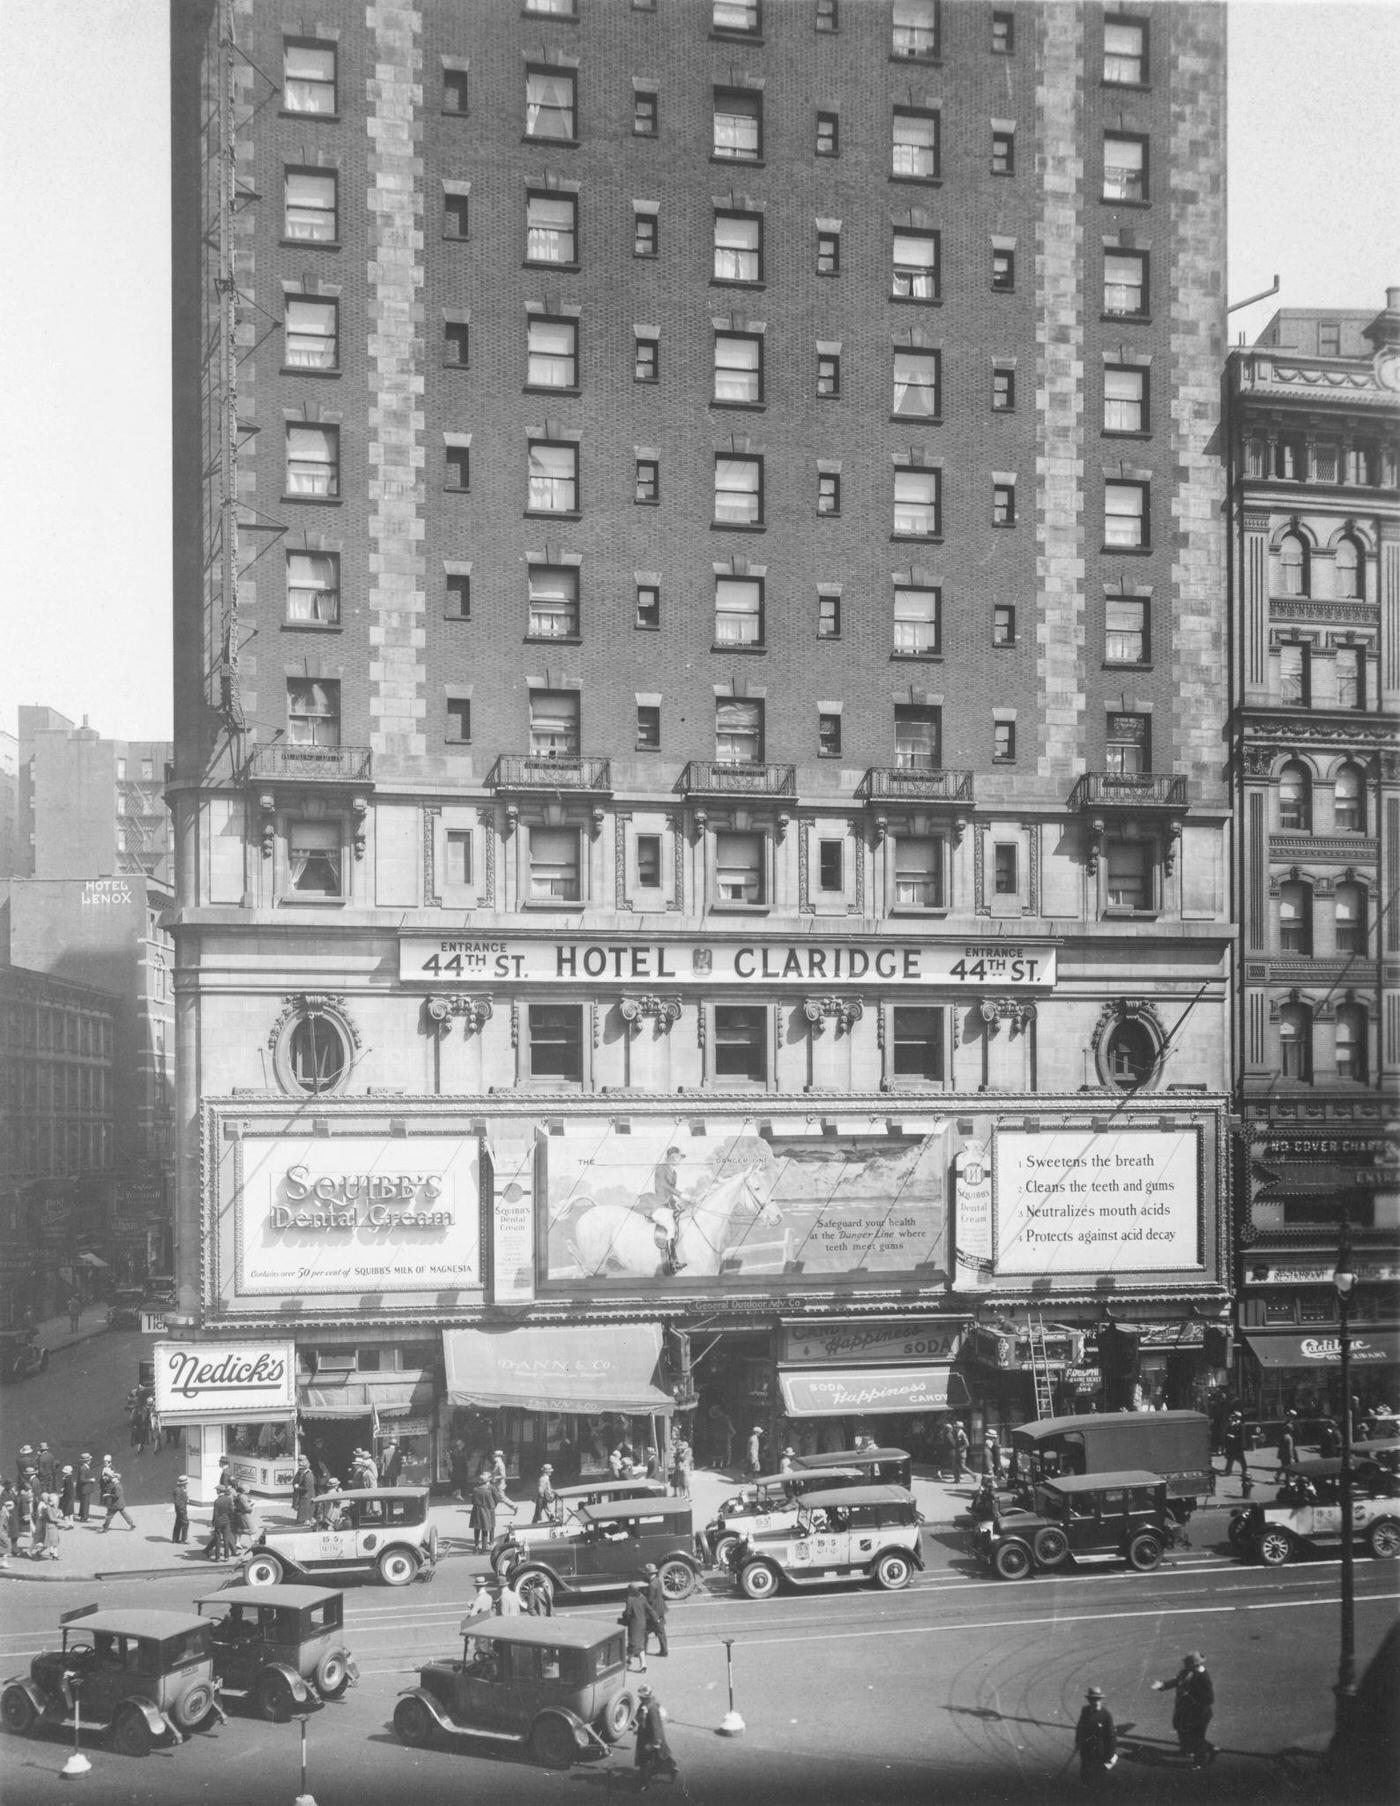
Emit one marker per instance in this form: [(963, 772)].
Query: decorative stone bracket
[(663, 1011), (845, 1010), (1098, 835), (475, 1011), (1019, 1012)]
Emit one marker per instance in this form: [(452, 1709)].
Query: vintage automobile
[(559, 1689), (141, 1676), (845, 1533), (22, 1355), (769, 1503), (879, 1467), (565, 1518), (1307, 1513), (279, 1649), (381, 1530), (125, 1307), (1082, 1519), (611, 1548)]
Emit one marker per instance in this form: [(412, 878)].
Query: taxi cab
[(769, 1503), (377, 1531), (279, 1649), (610, 1549), (568, 1502), (846, 1533), (1306, 1513)]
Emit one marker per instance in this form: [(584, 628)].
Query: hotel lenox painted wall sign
[(225, 1379)]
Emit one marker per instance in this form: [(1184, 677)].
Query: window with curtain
[(739, 491), (1125, 630), (554, 724), (550, 228), (916, 622), (308, 78), (914, 28), (918, 872), (549, 104), (1129, 868), (1295, 917), (1349, 801), (313, 461), (1125, 515), (554, 865), (1124, 169), (916, 384), (1124, 52), (1124, 398), (917, 737), (738, 368), (553, 478), (914, 149), (735, 15), (1295, 1041), (551, 354), (738, 611), (738, 116), (1125, 282), (1350, 668), (314, 854), (316, 1055), (914, 274), (916, 503), (309, 334), (1292, 566), (738, 247), (1294, 674), (553, 602), (309, 209), (1349, 912), (1127, 744), (739, 868), (1347, 566), (738, 731), (1294, 798), (1351, 1044), (313, 587), (313, 711)]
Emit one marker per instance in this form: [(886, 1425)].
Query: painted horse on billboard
[(607, 1239)]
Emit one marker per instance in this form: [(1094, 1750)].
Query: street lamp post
[(1344, 1282)]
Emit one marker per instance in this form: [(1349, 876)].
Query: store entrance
[(736, 1388), (329, 1442)]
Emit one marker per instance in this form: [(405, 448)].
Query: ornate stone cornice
[(663, 1011), (475, 1011), (844, 1011)]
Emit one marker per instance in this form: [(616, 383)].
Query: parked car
[(1082, 1519), (141, 1676), (610, 1548), (124, 1308), (567, 1502), (280, 1649), (769, 1503), (1306, 1513), (880, 1467), (843, 1533), (22, 1355), (380, 1531), (559, 1689)]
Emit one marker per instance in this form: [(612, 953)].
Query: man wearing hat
[(67, 1497), (652, 1753), (1096, 1739), (1287, 1445), (634, 1619), (180, 1498), (24, 1466), (47, 1463), (656, 1608), (303, 1490), (545, 1496), (1194, 1708), (87, 1485), (115, 1500)]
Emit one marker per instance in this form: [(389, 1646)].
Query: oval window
[(317, 1054), (1131, 1055)]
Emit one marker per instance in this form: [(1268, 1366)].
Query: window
[(1125, 630), (1003, 34), (1003, 504), (1350, 670), (553, 602), (738, 369), (1003, 269), (1003, 153), (554, 724), (549, 104), (738, 731), (309, 337), (648, 727), (1351, 1044), (914, 28), (314, 854), (455, 91), (1294, 798), (648, 480), (828, 253), (917, 734), (1125, 283), (645, 233), (313, 587), (551, 354), (458, 596), (1295, 1041), (456, 344), (313, 461), (828, 375), (916, 383), (459, 720), (1295, 917), (738, 611), (648, 605), (646, 360), (649, 861), (735, 15), (556, 1042), (738, 122), (1348, 566), (313, 711), (1130, 1055), (559, 9), (456, 215), (828, 735), (1003, 742), (1127, 746), (918, 1045), (914, 146), (828, 135), (316, 1054), (738, 247), (828, 617), (738, 492), (1125, 515), (917, 512), (739, 868), (1295, 674), (1124, 399), (1291, 460), (1003, 624), (309, 210), (915, 267), (1003, 389), (828, 16), (830, 860), (918, 872), (551, 234), (741, 1043), (1004, 870), (1350, 918), (554, 865), (457, 467), (1124, 52), (1129, 880), (553, 478), (308, 78), (1349, 801), (644, 113), (828, 492), (916, 623), (1292, 566), (1124, 169)]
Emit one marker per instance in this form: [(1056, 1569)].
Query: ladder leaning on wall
[(1040, 1369)]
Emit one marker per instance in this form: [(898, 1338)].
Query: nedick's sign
[(211, 1379)]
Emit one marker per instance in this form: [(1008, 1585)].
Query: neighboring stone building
[(1314, 444), (89, 807), (700, 690)]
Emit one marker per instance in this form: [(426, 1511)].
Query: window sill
[(646, 501), (456, 489), (916, 300), (829, 639), (550, 143), (313, 501), (1112, 913), (448, 616), (1126, 432), (927, 59), (551, 513), (454, 363), (553, 639), (916, 419), (914, 909), (718, 35), (1002, 289), (747, 407), (311, 627), (917, 539), (1004, 645), (1125, 551), (309, 370), (456, 238), (1107, 81), (455, 112), (456, 745), (748, 282), (550, 263), (1004, 526), (917, 181), (736, 526), (647, 626), (725, 907), (302, 115), (1112, 201), (1108, 319), (736, 162), (552, 903), (996, 761), (1126, 664), (549, 388), (745, 649), (916, 658), (828, 514), (310, 244), (297, 901)]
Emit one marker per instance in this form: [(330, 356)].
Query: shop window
[(554, 865), (1349, 801), (741, 1043), (1351, 1044), (740, 862), (1295, 798), (918, 871), (556, 1042), (1295, 917), (918, 1046)]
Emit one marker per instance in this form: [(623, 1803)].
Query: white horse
[(611, 1238)]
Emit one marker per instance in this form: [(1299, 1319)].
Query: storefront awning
[(850, 1391), (1369, 1348), (364, 1396), (565, 1368)]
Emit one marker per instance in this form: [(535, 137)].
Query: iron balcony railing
[(312, 764), (550, 771), (711, 777), (915, 784), (1129, 790)]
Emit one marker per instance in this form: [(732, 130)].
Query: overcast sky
[(1314, 147)]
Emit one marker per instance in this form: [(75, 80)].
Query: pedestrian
[(754, 1452), (391, 1461), (634, 1618), (960, 1447), (7, 1524), (1330, 1441), (241, 1515), (945, 1448), (508, 1601), (1194, 1708), (75, 1312), (1096, 1739), (498, 1481), (652, 1753), (220, 1544), (483, 1604), (991, 1453), (67, 1497), (721, 1436), (24, 1515), (789, 1463), (1287, 1446), (1235, 1451), (304, 1490), (115, 1501), (545, 1497), (457, 1464), (47, 1465), (23, 1464), (180, 1498), (615, 1462), (87, 1485), (483, 1513), (656, 1609), (46, 1535)]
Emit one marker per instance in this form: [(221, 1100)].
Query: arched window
[(1294, 797), (1292, 566), (1349, 570), (1351, 918), (1295, 1041), (1349, 801), (1351, 1043), (1295, 917), (316, 1051)]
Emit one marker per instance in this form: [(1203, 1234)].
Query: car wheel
[(1144, 1553), (272, 1697), (1383, 1539), (1275, 1547), (1238, 1531), (262, 1571), (332, 1675), (758, 1581), (433, 1544), (1012, 1561), (414, 1723), (1051, 1546), (397, 1567), (194, 1705), (536, 1593), (552, 1744), (677, 1579), (724, 1548), (131, 1735), (616, 1721), (17, 1711), (893, 1571)]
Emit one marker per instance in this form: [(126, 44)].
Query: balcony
[(709, 777), (311, 764), (1129, 790), (915, 784), (551, 771)]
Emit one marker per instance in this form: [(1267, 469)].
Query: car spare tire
[(194, 1705), (332, 1674)]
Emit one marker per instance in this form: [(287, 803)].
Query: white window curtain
[(310, 205), (915, 621), (736, 126), (738, 732), (916, 383), (736, 248), (553, 485), (554, 864), (736, 368), (313, 587), (738, 614), (309, 334), (736, 489), (312, 453), (551, 354), (915, 145), (918, 872), (313, 712), (549, 106), (549, 229), (308, 79), (554, 724), (314, 854), (553, 603)]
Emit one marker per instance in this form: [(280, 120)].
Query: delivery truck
[(1174, 1444)]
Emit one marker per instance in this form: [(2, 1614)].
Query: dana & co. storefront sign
[(204, 1380)]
